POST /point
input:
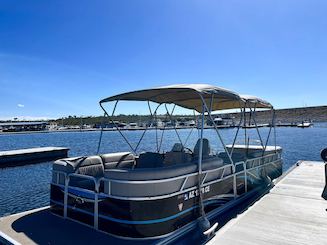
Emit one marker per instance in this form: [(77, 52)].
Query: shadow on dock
[(42, 227)]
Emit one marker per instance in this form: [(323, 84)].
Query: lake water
[(27, 187)]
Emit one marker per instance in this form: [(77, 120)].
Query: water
[(27, 187)]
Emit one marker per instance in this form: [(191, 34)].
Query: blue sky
[(59, 58)]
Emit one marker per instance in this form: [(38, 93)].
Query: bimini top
[(255, 102), (187, 96)]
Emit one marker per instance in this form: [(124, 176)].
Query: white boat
[(304, 125), (146, 195)]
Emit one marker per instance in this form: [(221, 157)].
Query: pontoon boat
[(153, 194)]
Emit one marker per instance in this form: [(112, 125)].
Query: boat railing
[(262, 160), (182, 189), (238, 168)]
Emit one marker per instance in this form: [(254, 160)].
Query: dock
[(21, 157), (292, 213)]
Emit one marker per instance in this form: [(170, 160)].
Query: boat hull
[(157, 217)]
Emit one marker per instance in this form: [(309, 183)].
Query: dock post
[(323, 155), (324, 192)]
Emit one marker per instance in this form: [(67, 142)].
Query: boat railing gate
[(242, 167)]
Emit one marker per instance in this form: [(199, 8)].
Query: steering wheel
[(188, 150)]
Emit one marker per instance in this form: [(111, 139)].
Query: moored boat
[(304, 125), (149, 194)]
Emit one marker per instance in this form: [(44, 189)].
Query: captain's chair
[(205, 148), (177, 155)]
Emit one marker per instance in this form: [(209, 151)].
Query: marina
[(119, 193), (163, 123)]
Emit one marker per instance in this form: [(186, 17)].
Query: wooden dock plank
[(292, 213)]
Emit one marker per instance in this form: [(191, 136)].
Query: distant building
[(23, 126), (111, 125)]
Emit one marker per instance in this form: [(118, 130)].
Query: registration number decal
[(195, 193)]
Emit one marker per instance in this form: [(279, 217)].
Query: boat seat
[(177, 147), (161, 173), (150, 160), (91, 166), (205, 148), (118, 160), (150, 173), (129, 189), (67, 165), (177, 155)]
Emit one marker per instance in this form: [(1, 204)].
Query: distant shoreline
[(284, 117), (138, 129)]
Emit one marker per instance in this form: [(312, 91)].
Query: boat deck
[(39, 226), (293, 212)]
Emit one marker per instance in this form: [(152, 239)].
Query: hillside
[(291, 115)]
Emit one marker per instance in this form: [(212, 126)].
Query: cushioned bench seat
[(152, 188), (118, 160), (162, 172), (91, 166)]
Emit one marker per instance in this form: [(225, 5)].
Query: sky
[(59, 58)]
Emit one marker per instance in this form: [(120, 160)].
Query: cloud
[(21, 105), (27, 118)]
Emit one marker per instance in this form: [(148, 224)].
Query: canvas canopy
[(255, 102), (187, 96)]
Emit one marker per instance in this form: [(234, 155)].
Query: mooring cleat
[(211, 230)]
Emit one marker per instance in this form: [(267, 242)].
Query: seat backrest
[(177, 147), (91, 166), (67, 165), (150, 160), (118, 160), (205, 148), (172, 158)]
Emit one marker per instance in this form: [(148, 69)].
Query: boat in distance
[(146, 195), (304, 124)]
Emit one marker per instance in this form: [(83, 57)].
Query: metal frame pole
[(101, 133), (237, 131), (275, 138), (66, 196), (271, 126), (221, 140), (256, 126), (202, 213), (216, 129), (106, 113), (178, 136)]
